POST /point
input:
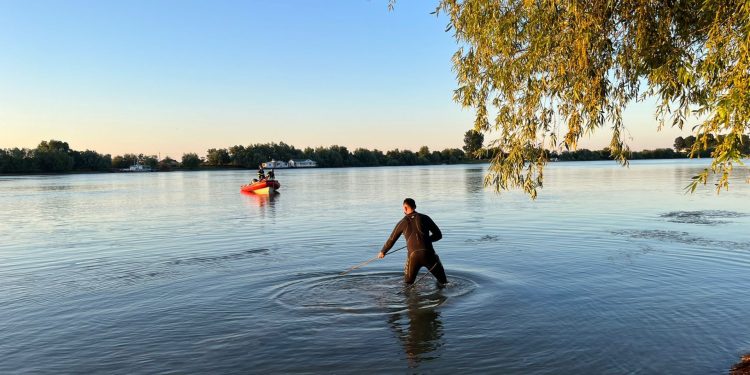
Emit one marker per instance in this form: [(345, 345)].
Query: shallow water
[(611, 270)]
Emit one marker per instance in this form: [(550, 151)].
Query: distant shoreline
[(237, 168), (221, 168), (56, 157)]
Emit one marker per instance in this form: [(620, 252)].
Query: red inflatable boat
[(262, 187)]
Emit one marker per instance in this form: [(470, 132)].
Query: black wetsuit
[(420, 232)]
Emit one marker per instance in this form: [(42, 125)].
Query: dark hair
[(410, 202)]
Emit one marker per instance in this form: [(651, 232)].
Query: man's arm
[(435, 233), (393, 238)]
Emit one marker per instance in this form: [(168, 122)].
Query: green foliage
[(473, 141), (91, 161), (149, 161), (452, 156), (339, 156), (52, 146), (17, 160), (167, 164), (124, 161), (583, 154), (217, 157), (679, 144), (191, 160), (253, 155), (52, 157), (530, 68), (710, 145), (367, 158)]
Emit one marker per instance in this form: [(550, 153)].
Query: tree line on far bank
[(52, 156), (606, 154), (682, 149), (334, 156), (56, 156)]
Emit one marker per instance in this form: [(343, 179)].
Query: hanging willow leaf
[(539, 64)]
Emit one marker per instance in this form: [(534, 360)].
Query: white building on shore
[(293, 163), (273, 164), (302, 163), (137, 167)]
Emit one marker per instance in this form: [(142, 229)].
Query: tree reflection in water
[(474, 179), (419, 327)]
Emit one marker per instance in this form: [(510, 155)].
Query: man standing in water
[(420, 232)]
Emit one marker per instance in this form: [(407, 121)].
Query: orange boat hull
[(261, 187)]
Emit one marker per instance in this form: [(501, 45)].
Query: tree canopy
[(57, 157), (473, 142), (52, 157), (191, 160), (542, 73)]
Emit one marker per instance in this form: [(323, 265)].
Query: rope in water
[(368, 261)]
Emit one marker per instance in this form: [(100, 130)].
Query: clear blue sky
[(175, 76)]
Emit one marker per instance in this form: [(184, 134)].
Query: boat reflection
[(261, 200), (419, 328)]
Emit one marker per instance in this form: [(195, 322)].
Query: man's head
[(409, 206)]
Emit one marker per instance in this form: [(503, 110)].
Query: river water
[(611, 270)]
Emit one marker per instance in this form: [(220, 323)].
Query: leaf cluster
[(543, 73)]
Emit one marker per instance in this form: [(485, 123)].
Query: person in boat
[(261, 173), (420, 232), (271, 175)]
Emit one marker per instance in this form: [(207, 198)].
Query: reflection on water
[(264, 203), (474, 180), (261, 200), (419, 328)]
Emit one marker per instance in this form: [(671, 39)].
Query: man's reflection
[(422, 334)]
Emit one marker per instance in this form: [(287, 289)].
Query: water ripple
[(706, 217), (371, 293), (485, 238), (94, 274), (218, 258), (683, 238)]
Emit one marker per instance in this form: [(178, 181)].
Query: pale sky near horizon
[(173, 76)]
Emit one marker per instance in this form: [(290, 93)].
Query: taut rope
[(368, 261)]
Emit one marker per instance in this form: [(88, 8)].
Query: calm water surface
[(610, 271)]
